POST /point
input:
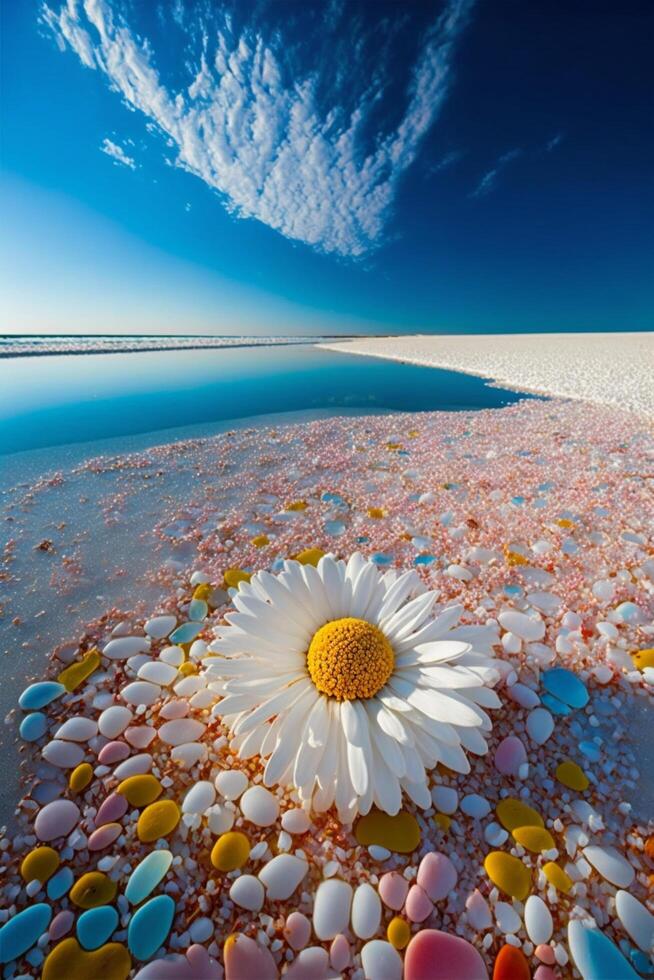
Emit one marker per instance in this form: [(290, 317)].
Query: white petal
[(287, 743), (473, 740), (281, 701), (438, 651), (408, 618), (332, 574), (398, 593), (418, 792), (435, 704), (434, 630)]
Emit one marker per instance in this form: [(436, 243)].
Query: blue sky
[(326, 167)]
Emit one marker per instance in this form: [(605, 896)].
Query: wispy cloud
[(445, 162), (489, 179), (268, 143), (554, 142), (117, 153)]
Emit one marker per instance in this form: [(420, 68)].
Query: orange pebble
[(511, 964)]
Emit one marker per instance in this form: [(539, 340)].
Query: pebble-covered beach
[(146, 846)]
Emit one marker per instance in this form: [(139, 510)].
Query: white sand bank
[(606, 368)]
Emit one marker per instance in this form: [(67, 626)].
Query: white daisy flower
[(347, 684)]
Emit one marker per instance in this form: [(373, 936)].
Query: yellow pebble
[(376, 513), (203, 591), (535, 839), (188, 668), (564, 522), (261, 541), (68, 961), (80, 777), (508, 873), (392, 446), (297, 505), (515, 558), (400, 833), (157, 820), (234, 576), (557, 877), (310, 556), (40, 864), (230, 851), (572, 776), (443, 821), (398, 932), (413, 434), (513, 813), (140, 790), (74, 675), (92, 889), (643, 658)]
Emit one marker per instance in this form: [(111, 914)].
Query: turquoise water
[(52, 401)]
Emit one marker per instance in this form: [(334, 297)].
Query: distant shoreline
[(28, 350)]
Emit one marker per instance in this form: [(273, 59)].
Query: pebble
[(96, 926), (112, 809), (296, 821), (511, 964), (445, 799), (398, 932), (157, 820), (526, 627), (572, 776), (40, 864), (124, 647), (68, 960), (557, 877), (104, 836), (22, 931), (418, 905), (437, 876), (64, 755), (147, 874), (638, 921), (608, 862), (158, 672), (479, 914), (508, 873), (77, 729), (33, 726), (282, 875), (199, 798), (331, 911), (140, 790), (594, 955), (92, 889), (508, 920), (186, 633), (39, 695), (231, 783), (534, 839), (399, 834), (181, 730), (540, 725), (339, 953), (436, 955), (380, 961), (62, 923), (160, 626), (514, 813), (57, 819), (476, 806), (259, 806), (245, 958), (297, 929), (230, 851), (393, 889), (113, 752), (538, 920), (248, 893), (114, 720), (149, 926), (74, 676), (60, 884), (510, 755), (366, 911), (141, 692), (566, 686)]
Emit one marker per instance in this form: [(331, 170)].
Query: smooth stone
[(140, 790), (297, 930), (540, 725), (103, 837), (173, 656), (309, 964), (399, 834), (513, 813), (511, 964), (557, 877), (436, 955), (92, 889), (157, 820), (245, 958), (114, 720), (46, 790), (296, 821), (523, 695), (594, 955), (199, 798), (197, 610), (147, 874), (545, 973), (259, 806), (60, 884), (140, 736), (113, 752), (398, 932), (526, 627), (538, 920), (188, 754), (418, 906), (331, 910), (366, 911), (230, 851), (149, 926), (196, 965), (508, 873), (141, 692), (565, 686), (180, 731), (23, 930), (437, 876), (510, 755), (160, 626), (57, 819), (248, 893), (96, 926), (76, 673), (339, 953), (638, 921), (40, 864), (231, 783), (475, 806), (174, 709), (125, 646), (40, 694), (393, 889), (572, 776), (534, 839), (478, 911), (68, 961), (445, 799), (33, 726), (77, 729), (135, 766), (62, 923), (282, 875), (64, 755), (158, 672), (201, 929), (610, 864), (112, 809), (381, 961), (186, 633)]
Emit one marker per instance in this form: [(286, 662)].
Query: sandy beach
[(605, 368)]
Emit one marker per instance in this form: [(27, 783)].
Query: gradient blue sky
[(310, 167)]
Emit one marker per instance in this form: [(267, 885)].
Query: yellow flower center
[(349, 659)]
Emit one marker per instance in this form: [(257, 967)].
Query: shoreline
[(132, 348)]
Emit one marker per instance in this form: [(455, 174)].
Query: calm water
[(51, 401)]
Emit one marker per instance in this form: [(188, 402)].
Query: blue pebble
[(334, 528), (60, 884), (380, 558), (38, 695), (33, 726), (149, 926), (185, 633), (595, 956), (565, 686), (197, 610), (22, 931), (147, 875), (590, 750), (363, 539), (425, 560), (555, 706), (95, 926)]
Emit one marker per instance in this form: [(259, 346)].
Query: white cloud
[(554, 142), (265, 142), (489, 180), (117, 153)]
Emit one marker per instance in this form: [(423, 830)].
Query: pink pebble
[(113, 808), (245, 958), (418, 904), (174, 709), (545, 954), (113, 752), (310, 964), (196, 965), (544, 973), (104, 836), (436, 955), (393, 889), (61, 924), (437, 875), (510, 755), (339, 953), (297, 930), (140, 736), (56, 819)]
